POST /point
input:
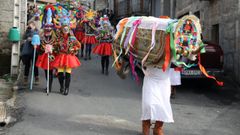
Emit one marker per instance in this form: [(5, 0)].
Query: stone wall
[(126, 8), (6, 17), (225, 13), (101, 4), (6, 22)]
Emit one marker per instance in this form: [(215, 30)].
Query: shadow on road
[(223, 95)]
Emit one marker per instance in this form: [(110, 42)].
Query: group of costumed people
[(153, 42), (64, 33)]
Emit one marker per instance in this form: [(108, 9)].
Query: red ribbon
[(135, 24), (205, 72), (167, 53)]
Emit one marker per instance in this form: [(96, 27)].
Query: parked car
[(212, 60)]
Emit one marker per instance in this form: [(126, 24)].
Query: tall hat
[(48, 15), (47, 21)]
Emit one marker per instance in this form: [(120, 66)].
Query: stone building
[(6, 22), (101, 4), (125, 8), (163, 8), (220, 21)]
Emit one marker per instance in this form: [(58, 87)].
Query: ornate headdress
[(104, 21), (65, 18), (47, 21), (90, 15)]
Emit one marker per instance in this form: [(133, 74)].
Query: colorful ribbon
[(121, 26), (205, 72), (170, 31), (167, 53), (154, 28), (131, 42)]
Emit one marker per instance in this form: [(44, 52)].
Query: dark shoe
[(89, 57), (61, 81), (67, 83), (61, 90), (66, 91), (46, 90)]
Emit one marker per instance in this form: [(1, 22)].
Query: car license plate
[(191, 72)]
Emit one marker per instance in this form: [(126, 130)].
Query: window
[(215, 33), (197, 14)]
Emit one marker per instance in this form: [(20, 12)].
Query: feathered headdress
[(65, 18)]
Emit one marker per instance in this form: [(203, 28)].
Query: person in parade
[(105, 37), (79, 31), (66, 48), (48, 40), (175, 78), (156, 100), (89, 36), (27, 52)]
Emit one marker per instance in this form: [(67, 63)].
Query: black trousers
[(27, 61), (82, 49), (105, 63), (64, 80), (88, 50)]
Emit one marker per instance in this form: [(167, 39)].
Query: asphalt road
[(106, 105)]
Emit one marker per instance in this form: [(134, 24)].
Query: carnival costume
[(79, 31), (89, 37), (153, 42), (67, 46), (104, 49), (46, 56)]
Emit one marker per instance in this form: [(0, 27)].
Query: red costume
[(105, 46), (67, 47), (42, 61), (89, 37), (79, 32)]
